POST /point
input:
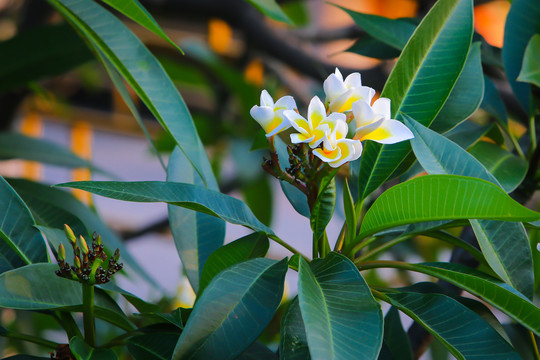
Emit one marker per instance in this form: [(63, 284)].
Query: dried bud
[(84, 246), (70, 235), (61, 253)]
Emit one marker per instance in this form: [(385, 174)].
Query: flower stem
[(534, 346), (89, 314)]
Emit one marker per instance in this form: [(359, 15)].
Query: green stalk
[(32, 339), (89, 314), (532, 130), (67, 322), (534, 346)]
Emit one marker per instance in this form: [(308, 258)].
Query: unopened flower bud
[(61, 253), (77, 262), (116, 255), (84, 246), (70, 235)]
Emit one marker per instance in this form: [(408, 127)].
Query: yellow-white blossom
[(317, 125), (341, 94), (270, 115), (337, 149), (375, 123)]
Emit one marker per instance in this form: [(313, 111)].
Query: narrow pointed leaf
[(185, 195), (249, 294), (322, 211), (196, 235), (341, 317), (530, 72), (293, 343), (271, 9), (522, 22), (37, 287), (493, 104), (82, 351), (444, 317), (492, 291), (136, 12), (417, 86), (504, 244), (248, 247), (442, 197), (396, 345), (141, 71), (154, 344), (257, 351), (20, 242)]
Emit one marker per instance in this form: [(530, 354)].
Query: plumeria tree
[(412, 164)]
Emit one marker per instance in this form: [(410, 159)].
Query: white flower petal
[(338, 74), (286, 103), (297, 121), (357, 149), (266, 99), (382, 106), (363, 113), (262, 114), (341, 130), (353, 80), (363, 131), (285, 124), (390, 132), (316, 112), (347, 152), (327, 156), (298, 138), (333, 86)]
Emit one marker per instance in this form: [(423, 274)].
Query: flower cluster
[(326, 127)]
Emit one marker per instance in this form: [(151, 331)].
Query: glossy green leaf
[(394, 32), (323, 209), (442, 197), (54, 208), (396, 345), (82, 351), (18, 146), (154, 344), (185, 195), (136, 12), (508, 169), (271, 9), (467, 134), (257, 351), (196, 235), (20, 242), (139, 304), (466, 96), (293, 343), (39, 53), (373, 48), (504, 244), (248, 247), (417, 86), (258, 196), (141, 71), (249, 294), (493, 104), (530, 72), (55, 237), (444, 318), (522, 22), (342, 319), (37, 287)]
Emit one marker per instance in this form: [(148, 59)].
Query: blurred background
[(52, 87)]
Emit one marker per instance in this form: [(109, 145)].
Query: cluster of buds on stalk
[(88, 263)]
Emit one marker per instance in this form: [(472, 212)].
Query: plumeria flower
[(270, 115), (340, 95), (316, 127), (337, 149), (375, 123)]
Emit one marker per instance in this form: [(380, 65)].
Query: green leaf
[(141, 71), (297, 198), (185, 195), (37, 287), (271, 9), (396, 344), (522, 22), (350, 214), (20, 242), (504, 244), (293, 344), (55, 237), (136, 12), (258, 196), (38, 53), (249, 247), (442, 197), (393, 32), (82, 351), (249, 294), (444, 317), (417, 86), (467, 134), (530, 72), (18, 146), (493, 103), (154, 344), (508, 169), (492, 291), (257, 351), (342, 319), (323, 209), (466, 95), (373, 48), (55, 207), (196, 235)]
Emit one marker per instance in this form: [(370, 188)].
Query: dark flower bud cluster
[(88, 263)]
